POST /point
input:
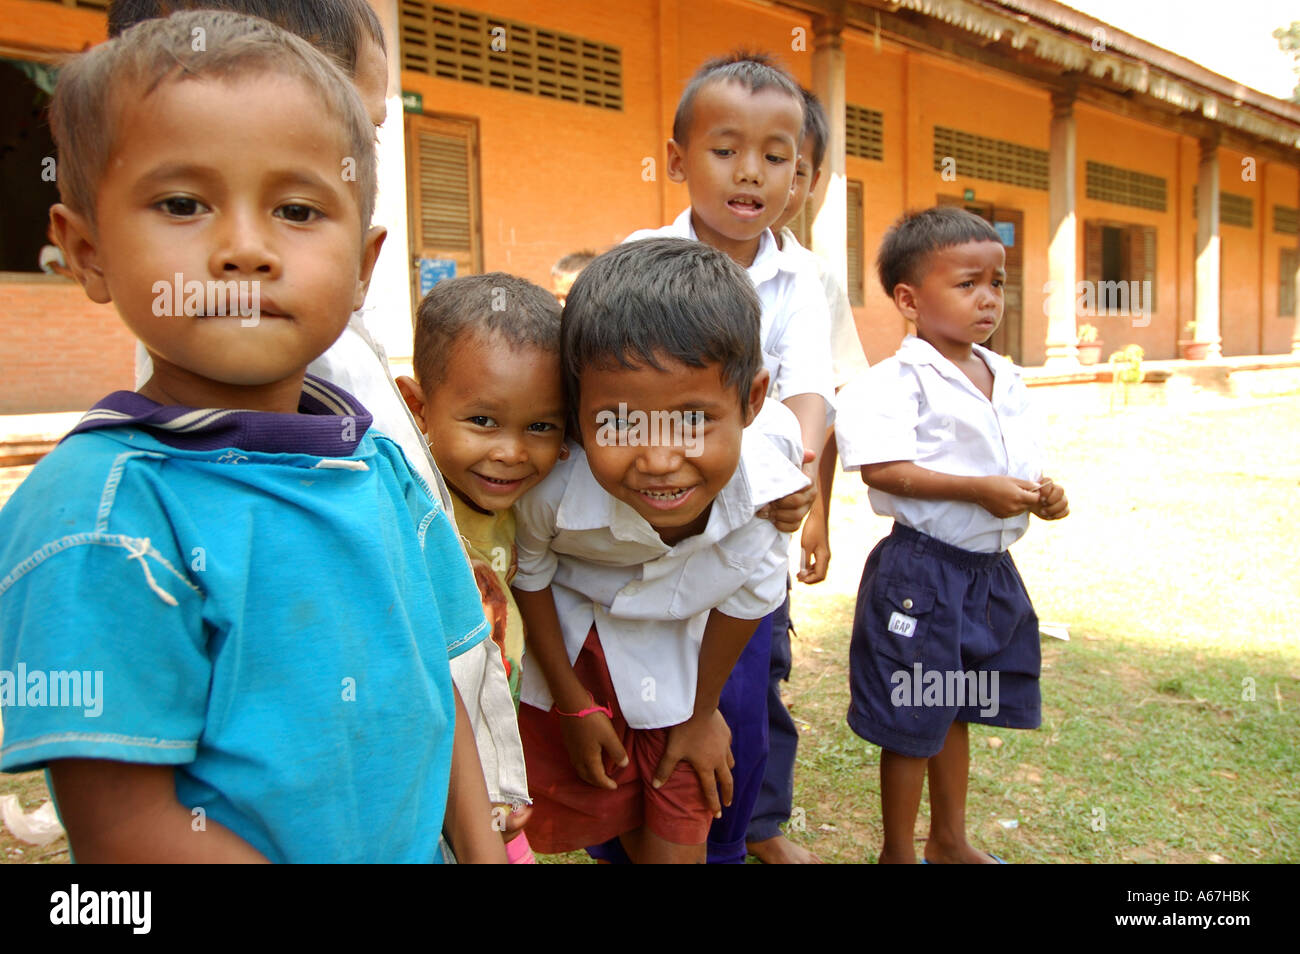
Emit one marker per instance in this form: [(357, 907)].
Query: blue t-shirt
[(268, 602)]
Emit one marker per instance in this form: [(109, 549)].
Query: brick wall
[(60, 351)]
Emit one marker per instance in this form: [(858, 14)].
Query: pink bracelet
[(587, 711)]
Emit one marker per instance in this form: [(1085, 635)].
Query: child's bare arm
[(127, 813), (586, 738), (810, 411), (468, 820), (999, 495), (704, 739), (816, 540)]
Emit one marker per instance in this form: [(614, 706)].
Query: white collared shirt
[(796, 321), (918, 406), (650, 601), (847, 356)]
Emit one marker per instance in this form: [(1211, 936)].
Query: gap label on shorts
[(901, 625)]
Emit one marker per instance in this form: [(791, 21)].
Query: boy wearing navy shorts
[(944, 633)]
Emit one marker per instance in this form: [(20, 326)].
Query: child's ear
[(816, 178), (76, 237), (414, 399), (371, 244), (564, 451), (905, 300), (676, 162), (757, 395)]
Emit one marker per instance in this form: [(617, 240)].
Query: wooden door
[(442, 174)]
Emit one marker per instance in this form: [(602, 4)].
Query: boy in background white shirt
[(944, 633), (643, 568)]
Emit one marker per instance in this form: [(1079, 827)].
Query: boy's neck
[(676, 535), (175, 386), (742, 253), (466, 499)]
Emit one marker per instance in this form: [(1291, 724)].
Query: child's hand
[(816, 549), (588, 739), (705, 742), (1052, 504), (1005, 496), (788, 512)]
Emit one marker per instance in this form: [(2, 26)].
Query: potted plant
[(1089, 345), (1191, 349)]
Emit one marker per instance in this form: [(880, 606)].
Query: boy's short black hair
[(815, 124), (335, 27), (662, 298), (510, 307), (755, 71), (913, 237), (573, 262)]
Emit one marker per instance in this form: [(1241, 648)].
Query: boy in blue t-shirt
[(257, 592)]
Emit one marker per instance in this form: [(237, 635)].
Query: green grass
[(1179, 578)]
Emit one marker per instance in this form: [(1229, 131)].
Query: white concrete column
[(830, 227), (388, 304), (1207, 249), (1063, 227)]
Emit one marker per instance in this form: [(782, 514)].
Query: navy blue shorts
[(940, 635)]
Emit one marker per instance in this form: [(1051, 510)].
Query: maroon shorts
[(569, 814)]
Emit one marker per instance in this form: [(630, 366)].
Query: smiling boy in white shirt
[(944, 632), (643, 569)]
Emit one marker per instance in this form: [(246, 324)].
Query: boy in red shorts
[(643, 570)]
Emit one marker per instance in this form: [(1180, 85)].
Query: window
[(855, 250), (1119, 265), (1289, 261), (472, 47)]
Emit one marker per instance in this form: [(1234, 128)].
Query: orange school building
[(1137, 192)]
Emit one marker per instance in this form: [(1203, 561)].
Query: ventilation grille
[(1126, 187), (864, 132), (1286, 220), (1236, 210), (471, 47), (978, 157)]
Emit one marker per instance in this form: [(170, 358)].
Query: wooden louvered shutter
[(1142, 263), (1092, 252), (442, 172), (1286, 283), (856, 244)]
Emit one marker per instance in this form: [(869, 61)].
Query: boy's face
[(805, 180), (219, 181), (495, 422), (959, 299), (664, 442), (738, 164)]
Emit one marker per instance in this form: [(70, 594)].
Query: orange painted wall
[(1240, 297), (1281, 186), (45, 27), (1117, 141), (559, 176), (875, 79)]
